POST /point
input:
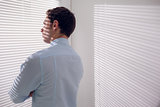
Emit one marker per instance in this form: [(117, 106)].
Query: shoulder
[(31, 62), (42, 53), (39, 53), (35, 57)]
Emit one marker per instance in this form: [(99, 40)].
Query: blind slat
[(127, 55)]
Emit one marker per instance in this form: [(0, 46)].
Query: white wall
[(82, 42)]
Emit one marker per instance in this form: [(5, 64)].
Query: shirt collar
[(59, 41)]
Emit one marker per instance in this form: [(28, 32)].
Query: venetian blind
[(20, 36), (127, 55)]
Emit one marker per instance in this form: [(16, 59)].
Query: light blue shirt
[(53, 74)]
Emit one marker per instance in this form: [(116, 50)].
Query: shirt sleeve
[(27, 81)]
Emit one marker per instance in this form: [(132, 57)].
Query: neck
[(64, 36), (61, 36)]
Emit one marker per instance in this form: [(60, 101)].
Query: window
[(20, 36), (127, 55)]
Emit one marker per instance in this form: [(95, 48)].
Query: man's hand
[(47, 31)]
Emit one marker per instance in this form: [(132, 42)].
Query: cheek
[(51, 31)]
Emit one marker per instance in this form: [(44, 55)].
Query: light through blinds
[(127, 55), (20, 36)]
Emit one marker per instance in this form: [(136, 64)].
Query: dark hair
[(65, 18)]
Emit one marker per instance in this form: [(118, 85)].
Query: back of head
[(65, 17)]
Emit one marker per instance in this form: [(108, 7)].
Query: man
[(51, 76)]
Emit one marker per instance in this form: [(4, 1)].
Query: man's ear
[(55, 24)]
